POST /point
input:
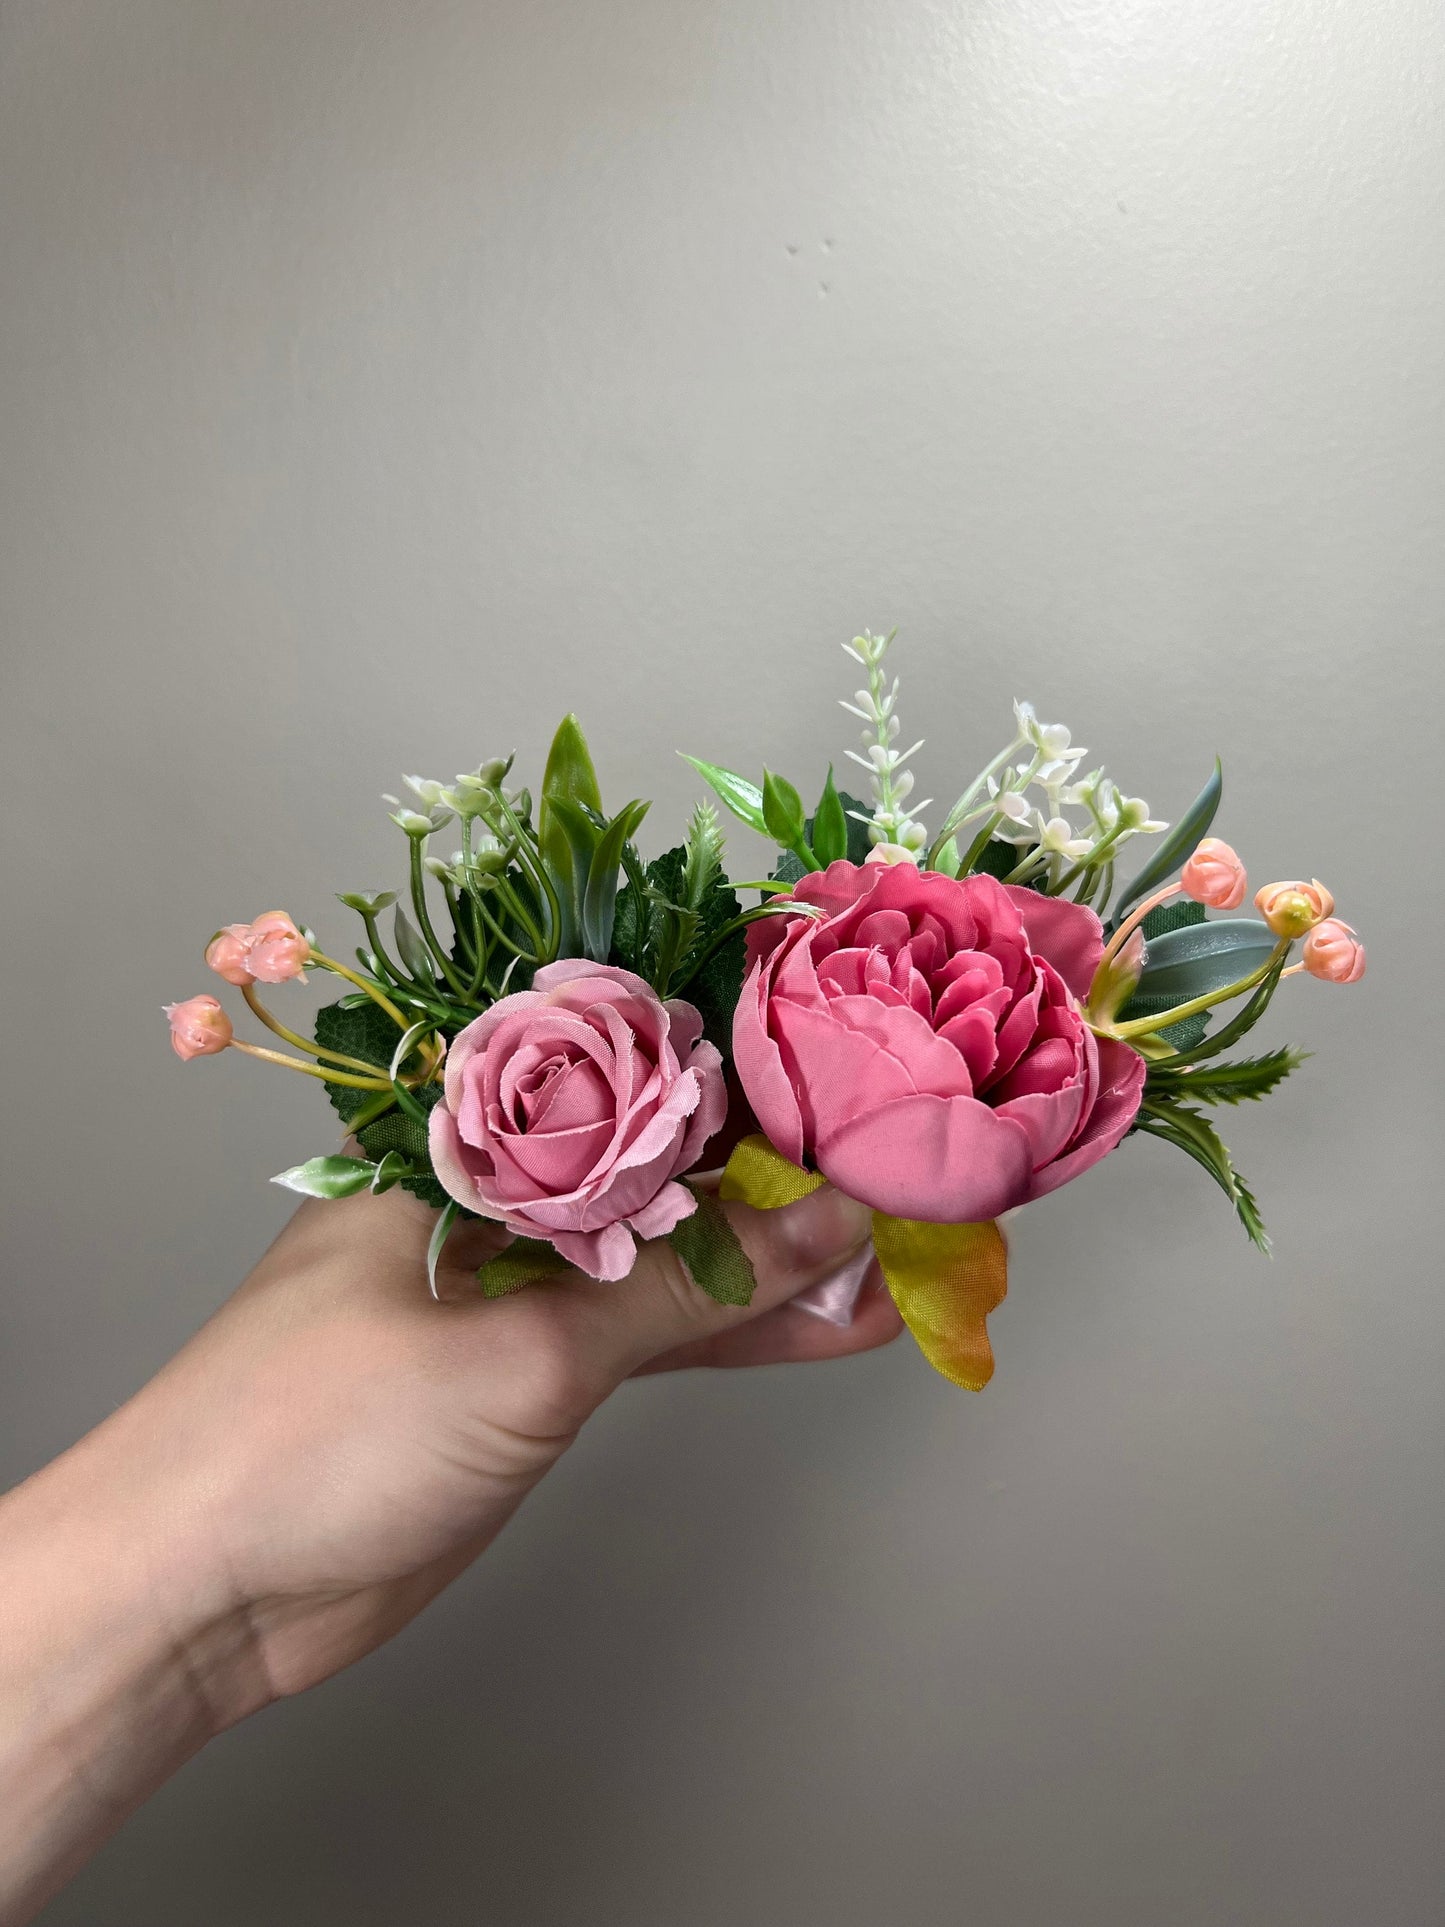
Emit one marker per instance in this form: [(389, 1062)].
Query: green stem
[(980, 843), (373, 991), (423, 917), (385, 966), (327, 1075), (248, 991), (1098, 853), (1142, 1026)]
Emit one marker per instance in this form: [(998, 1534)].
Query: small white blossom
[(1056, 835), (431, 793), (1134, 814)]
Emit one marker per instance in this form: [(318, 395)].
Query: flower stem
[(376, 995), (1135, 917), (248, 991), (423, 917), (1141, 1026), (311, 1070)]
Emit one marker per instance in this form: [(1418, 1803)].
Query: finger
[(657, 1307), (788, 1335)]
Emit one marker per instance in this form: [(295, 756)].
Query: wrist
[(119, 1657)]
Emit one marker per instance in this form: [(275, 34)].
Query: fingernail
[(823, 1227)]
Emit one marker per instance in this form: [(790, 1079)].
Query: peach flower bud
[(226, 954), (1333, 951), (199, 1028), (1292, 908), (277, 950), (1214, 875)]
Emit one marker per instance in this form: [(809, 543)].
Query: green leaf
[(451, 1211), (569, 791), (599, 899), (1243, 1020), (1194, 1134), (390, 1171), (356, 1030), (395, 1131), (1181, 914), (829, 833), (702, 866), (1202, 958), (416, 959), (782, 810), (329, 1177), (709, 1249), (524, 1262), (1178, 846), (1232, 1082), (1184, 1035), (997, 858), (743, 798)]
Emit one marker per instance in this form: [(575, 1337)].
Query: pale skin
[(327, 1453)]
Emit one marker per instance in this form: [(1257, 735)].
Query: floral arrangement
[(944, 1026)]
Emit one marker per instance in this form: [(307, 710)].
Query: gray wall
[(377, 381)]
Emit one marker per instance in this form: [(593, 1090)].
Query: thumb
[(657, 1306)]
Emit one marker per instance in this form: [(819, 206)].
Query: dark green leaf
[(1228, 1083), (997, 858), (743, 798), (1180, 914), (524, 1262), (1178, 846), (829, 831), (357, 1030), (709, 1248)]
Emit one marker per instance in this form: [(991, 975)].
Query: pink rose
[(921, 1042), (570, 1108)]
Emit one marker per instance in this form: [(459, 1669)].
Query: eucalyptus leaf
[(743, 798), (1178, 846), (328, 1177), (1203, 958)]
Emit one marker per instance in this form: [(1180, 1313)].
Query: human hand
[(326, 1453)]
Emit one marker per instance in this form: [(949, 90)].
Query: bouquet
[(571, 1040)]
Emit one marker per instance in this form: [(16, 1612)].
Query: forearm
[(106, 1686)]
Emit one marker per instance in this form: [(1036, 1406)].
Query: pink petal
[(607, 1254), (1068, 934), (672, 1204), (1121, 1086), (950, 1160)]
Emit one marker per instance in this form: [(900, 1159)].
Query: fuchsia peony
[(921, 1041), (570, 1109)]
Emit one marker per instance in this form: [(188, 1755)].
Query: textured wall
[(377, 381)]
